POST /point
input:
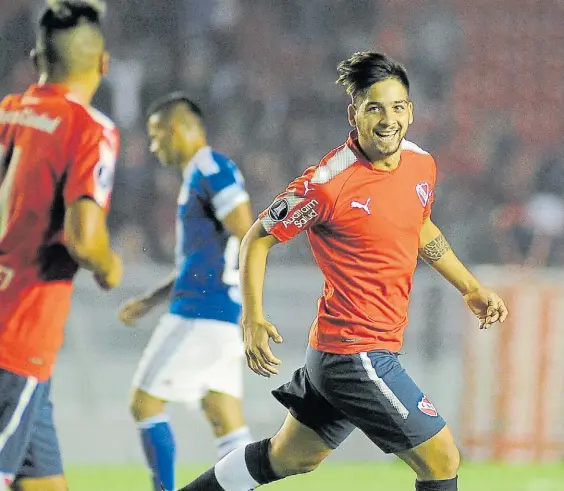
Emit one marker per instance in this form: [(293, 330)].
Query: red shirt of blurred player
[(57, 160), (58, 151)]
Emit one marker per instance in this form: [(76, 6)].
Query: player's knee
[(288, 462), (443, 462), (446, 464), (143, 405), (291, 465)]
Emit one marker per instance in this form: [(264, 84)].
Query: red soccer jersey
[(53, 151), (363, 225)]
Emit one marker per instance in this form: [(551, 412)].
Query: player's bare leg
[(295, 449), (437, 459), (51, 483), (225, 414), (144, 406)]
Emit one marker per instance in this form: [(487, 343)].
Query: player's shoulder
[(334, 166), (413, 151), (91, 116), (209, 162)]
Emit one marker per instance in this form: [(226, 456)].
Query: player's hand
[(133, 310), (487, 306), (256, 335), (113, 277)]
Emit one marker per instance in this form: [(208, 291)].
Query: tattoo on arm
[(435, 250)]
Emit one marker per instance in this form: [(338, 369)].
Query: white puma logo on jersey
[(362, 206), (307, 189)]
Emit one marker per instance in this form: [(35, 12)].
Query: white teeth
[(386, 135)]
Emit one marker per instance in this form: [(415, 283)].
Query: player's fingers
[(267, 354), (251, 362), (257, 364), (494, 317), (273, 333), (502, 311), (265, 363)]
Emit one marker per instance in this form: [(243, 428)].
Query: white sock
[(231, 441), (232, 474)]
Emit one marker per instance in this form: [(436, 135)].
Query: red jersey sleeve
[(431, 192), (301, 206), (92, 166)]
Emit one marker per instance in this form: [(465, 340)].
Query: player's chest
[(382, 207)]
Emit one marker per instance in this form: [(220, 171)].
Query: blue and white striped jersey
[(207, 285)]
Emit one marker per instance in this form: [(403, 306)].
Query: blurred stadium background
[(488, 86)]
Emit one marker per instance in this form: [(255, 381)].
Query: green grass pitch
[(340, 477)]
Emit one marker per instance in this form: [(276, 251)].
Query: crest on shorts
[(426, 407), (424, 192)]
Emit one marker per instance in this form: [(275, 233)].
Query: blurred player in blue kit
[(196, 352)]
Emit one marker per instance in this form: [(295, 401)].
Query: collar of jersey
[(56, 89), (193, 161), (352, 143), (52, 88)]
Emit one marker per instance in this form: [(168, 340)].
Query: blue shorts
[(334, 394), (29, 446)]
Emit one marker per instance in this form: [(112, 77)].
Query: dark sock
[(446, 485), (206, 482), (258, 462), (243, 468)]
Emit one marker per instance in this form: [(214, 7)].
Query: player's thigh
[(180, 362), (42, 465), (296, 448), (312, 429), (19, 403), (52, 483), (376, 394), (435, 459)]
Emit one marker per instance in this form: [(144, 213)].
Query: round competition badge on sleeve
[(104, 174), (279, 210)]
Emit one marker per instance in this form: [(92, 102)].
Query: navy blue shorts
[(28, 442), (334, 394)]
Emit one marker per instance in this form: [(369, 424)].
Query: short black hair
[(66, 14), (58, 26), (365, 68), (166, 103)]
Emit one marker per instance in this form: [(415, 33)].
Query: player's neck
[(379, 161), (390, 162), (82, 90), (190, 154)]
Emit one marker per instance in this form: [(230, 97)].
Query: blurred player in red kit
[(57, 160), (366, 209)]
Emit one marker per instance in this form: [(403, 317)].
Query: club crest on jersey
[(279, 210), (426, 407), (424, 192)]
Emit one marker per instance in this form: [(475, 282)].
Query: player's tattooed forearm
[(435, 249)]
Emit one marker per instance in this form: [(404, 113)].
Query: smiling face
[(382, 117)]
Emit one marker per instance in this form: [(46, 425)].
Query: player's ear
[(104, 64), (351, 112), (410, 109)]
